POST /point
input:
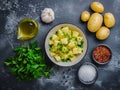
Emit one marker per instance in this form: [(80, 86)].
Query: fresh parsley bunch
[(28, 63)]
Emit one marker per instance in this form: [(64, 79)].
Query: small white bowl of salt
[(87, 73)]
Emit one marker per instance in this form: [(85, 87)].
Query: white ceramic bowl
[(69, 63)]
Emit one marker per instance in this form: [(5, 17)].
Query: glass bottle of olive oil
[(27, 29)]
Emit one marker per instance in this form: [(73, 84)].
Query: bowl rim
[(66, 65), (93, 81), (102, 63)]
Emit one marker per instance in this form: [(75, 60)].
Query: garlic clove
[(47, 15), (46, 19)]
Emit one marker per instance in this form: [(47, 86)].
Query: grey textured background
[(66, 11)]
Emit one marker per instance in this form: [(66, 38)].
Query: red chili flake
[(102, 54)]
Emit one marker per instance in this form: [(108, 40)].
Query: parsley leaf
[(28, 63)]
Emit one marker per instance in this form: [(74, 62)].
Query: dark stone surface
[(66, 11)]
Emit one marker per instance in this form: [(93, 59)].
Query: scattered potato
[(95, 22), (97, 7), (85, 16), (109, 20), (102, 33)]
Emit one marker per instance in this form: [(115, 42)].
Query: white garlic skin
[(47, 15)]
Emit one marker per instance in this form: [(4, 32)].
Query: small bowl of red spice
[(102, 54)]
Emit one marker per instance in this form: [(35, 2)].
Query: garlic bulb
[(47, 15)]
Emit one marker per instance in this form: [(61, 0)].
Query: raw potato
[(95, 22), (102, 33), (85, 16), (109, 20), (97, 7)]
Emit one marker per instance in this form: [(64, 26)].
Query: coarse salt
[(87, 73)]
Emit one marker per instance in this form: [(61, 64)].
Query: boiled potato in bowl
[(65, 45)]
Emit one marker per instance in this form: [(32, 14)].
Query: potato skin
[(85, 16), (95, 22), (103, 33), (109, 20), (97, 7)]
